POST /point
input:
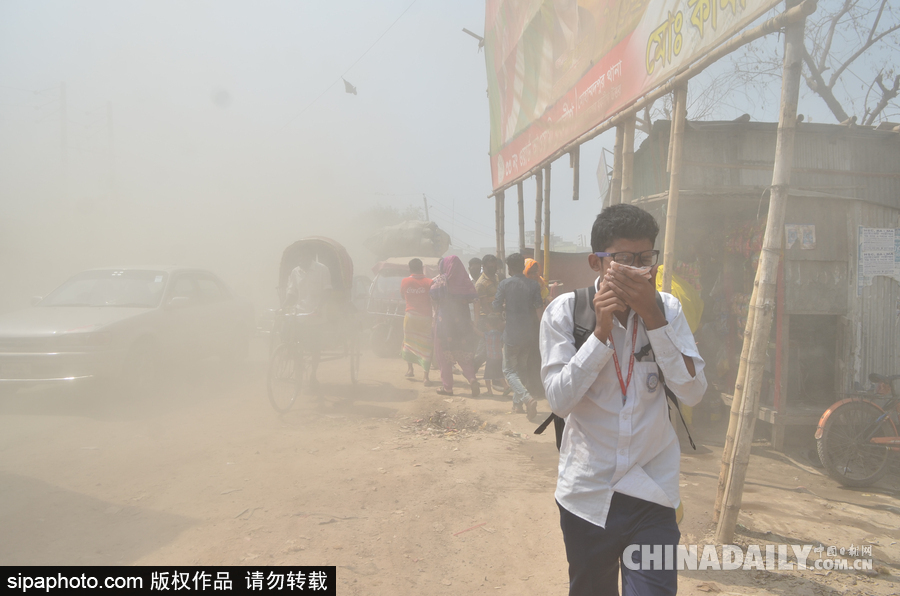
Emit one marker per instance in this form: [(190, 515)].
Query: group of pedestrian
[(467, 319)]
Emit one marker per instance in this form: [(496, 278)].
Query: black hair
[(622, 221), (474, 260), (415, 266), (489, 258), (516, 263)]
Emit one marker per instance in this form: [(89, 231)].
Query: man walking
[(520, 299), (619, 456)]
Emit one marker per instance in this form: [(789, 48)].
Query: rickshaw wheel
[(354, 352), (289, 370)]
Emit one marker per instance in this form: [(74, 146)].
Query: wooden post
[(498, 219), (734, 416), (628, 160), (521, 217), (501, 250), (538, 206), (765, 283), (674, 182), (545, 262), (575, 164), (780, 384), (615, 186)]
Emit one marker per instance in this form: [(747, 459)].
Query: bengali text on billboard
[(557, 68)]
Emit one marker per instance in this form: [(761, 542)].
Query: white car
[(122, 324)]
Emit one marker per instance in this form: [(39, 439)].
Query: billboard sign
[(558, 68)]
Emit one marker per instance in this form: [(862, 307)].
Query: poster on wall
[(878, 253), (558, 68)]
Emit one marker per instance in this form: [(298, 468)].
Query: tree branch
[(877, 19), (872, 41), (819, 87), (829, 37), (886, 96)]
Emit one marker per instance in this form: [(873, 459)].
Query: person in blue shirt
[(519, 298)]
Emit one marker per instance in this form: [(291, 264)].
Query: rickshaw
[(300, 341)]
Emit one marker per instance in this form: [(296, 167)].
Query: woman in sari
[(532, 271), (454, 334)]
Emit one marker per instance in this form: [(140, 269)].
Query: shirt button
[(624, 416), (621, 452)]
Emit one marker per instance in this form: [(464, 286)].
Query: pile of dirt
[(461, 421)]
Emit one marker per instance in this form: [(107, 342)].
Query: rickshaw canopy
[(328, 252)]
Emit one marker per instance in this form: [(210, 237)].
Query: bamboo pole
[(615, 192), (628, 160), (521, 217), (734, 415), (497, 198), (538, 205), (501, 250), (674, 184), (575, 164), (776, 23), (766, 280), (546, 259)]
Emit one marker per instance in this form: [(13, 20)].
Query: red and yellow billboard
[(558, 68)]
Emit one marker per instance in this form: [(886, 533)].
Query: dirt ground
[(370, 480)]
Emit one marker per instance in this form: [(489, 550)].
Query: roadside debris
[(442, 422)]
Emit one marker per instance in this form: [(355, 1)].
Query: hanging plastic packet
[(642, 271)]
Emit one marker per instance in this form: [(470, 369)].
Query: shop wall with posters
[(836, 324)]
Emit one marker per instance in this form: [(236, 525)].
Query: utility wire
[(318, 97)]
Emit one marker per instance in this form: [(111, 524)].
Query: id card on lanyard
[(624, 383)]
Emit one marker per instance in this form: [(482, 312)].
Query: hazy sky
[(229, 185)]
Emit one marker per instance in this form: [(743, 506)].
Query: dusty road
[(208, 473)]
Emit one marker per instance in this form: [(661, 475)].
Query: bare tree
[(710, 95), (852, 47)]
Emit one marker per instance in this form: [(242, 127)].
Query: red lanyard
[(624, 384)]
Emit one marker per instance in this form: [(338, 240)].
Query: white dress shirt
[(609, 446), (306, 289)]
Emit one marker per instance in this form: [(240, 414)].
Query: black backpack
[(585, 320)]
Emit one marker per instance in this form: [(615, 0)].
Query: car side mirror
[(35, 300), (178, 301)]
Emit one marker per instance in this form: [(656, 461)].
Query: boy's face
[(602, 264)]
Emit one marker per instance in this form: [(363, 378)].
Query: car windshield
[(117, 287)]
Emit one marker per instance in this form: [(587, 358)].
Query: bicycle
[(295, 353), (856, 436)]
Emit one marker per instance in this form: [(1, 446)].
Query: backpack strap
[(669, 393), (585, 319), (583, 315)]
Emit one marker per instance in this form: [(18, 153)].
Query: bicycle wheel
[(845, 448), (288, 371)]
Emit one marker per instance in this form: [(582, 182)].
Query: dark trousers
[(594, 553)]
